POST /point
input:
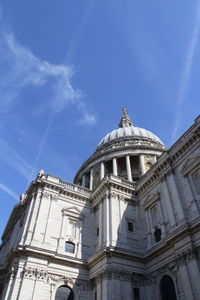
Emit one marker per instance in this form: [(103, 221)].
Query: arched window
[(69, 247), (167, 288), (64, 293)]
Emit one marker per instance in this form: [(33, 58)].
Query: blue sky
[(67, 68)]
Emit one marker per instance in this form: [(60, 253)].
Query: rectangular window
[(136, 292), (130, 226), (97, 231)]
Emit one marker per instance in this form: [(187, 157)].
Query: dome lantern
[(125, 120)]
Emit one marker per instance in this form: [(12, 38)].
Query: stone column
[(79, 245), (107, 285), (28, 218), (115, 166), (83, 180), (128, 168), (142, 165), (33, 217), (126, 287), (91, 179), (190, 184), (102, 171), (162, 221), (100, 223), (99, 287), (7, 289), (110, 219), (183, 273), (173, 188), (122, 229), (149, 237), (194, 273), (152, 228), (168, 202), (106, 220)]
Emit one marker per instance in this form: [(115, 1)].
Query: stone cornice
[(148, 255), (62, 188), (107, 252), (46, 276), (168, 159), (192, 163), (27, 251), (180, 256), (112, 273), (112, 184)]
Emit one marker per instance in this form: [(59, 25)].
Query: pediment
[(151, 199), (73, 211), (190, 164)]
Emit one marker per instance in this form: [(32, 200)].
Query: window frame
[(72, 244), (130, 222)]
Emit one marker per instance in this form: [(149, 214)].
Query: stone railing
[(122, 181), (66, 185)]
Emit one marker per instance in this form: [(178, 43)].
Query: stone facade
[(129, 226)]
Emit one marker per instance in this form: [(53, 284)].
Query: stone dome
[(127, 152), (131, 131), (127, 129)]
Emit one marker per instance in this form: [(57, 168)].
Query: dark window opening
[(87, 180), (157, 234), (135, 178), (135, 167), (97, 231), (108, 167), (95, 295), (136, 292), (167, 288), (121, 165), (96, 176), (69, 247), (1, 288), (130, 226), (64, 293)]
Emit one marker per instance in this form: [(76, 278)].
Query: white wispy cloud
[(187, 72), (81, 30), (87, 119), (40, 148), (20, 69), (8, 191), (14, 160)]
